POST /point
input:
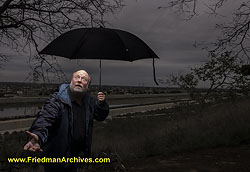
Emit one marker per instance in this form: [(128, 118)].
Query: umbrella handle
[(154, 72)]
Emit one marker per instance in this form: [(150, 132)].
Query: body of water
[(33, 110), (29, 109)]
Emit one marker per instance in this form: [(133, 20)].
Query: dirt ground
[(224, 159)]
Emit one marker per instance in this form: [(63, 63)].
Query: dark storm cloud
[(171, 37)]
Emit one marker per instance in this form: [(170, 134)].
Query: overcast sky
[(168, 34)]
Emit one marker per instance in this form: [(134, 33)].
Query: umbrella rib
[(81, 41)]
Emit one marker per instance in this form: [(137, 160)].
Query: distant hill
[(43, 89)]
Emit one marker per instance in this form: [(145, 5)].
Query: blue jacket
[(54, 123)]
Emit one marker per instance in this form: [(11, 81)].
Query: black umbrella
[(100, 43)]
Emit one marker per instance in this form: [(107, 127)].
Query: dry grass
[(186, 129), (181, 129)]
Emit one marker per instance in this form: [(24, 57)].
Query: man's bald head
[(83, 72)]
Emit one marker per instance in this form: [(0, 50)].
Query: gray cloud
[(170, 36)]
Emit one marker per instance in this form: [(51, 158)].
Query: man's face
[(79, 82)]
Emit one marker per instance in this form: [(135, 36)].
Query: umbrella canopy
[(100, 43)]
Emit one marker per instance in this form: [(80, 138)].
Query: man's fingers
[(32, 135), (28, 133), (32, 149), (33, 144), (37, 149), (101, 96), (27, 146)]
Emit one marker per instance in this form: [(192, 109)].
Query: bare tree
[(229, 55), (24, 24)]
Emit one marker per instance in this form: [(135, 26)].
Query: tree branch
[(4, 7)]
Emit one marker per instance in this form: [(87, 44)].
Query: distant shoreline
[(42, 99)]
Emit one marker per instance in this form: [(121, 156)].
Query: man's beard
[(77, 92)]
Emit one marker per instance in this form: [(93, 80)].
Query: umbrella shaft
[(100, 75)]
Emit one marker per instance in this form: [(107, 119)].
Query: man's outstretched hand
[(100, 97), (33, 144)]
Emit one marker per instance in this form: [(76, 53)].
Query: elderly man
[(63, 128)]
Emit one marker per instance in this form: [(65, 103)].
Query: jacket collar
[(63, 94)]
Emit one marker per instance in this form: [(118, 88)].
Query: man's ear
[(89, 83)]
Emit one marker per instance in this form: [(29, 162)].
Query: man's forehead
[(81, 72)]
